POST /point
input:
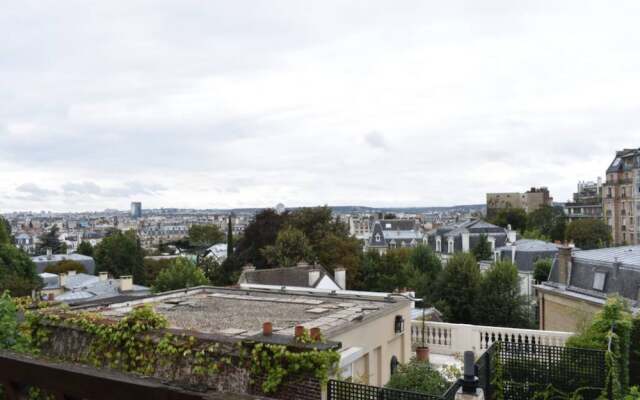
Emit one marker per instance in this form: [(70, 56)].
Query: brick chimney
[(564, 264), (126, 283)]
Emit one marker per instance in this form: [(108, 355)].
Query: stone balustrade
[(445, 338)]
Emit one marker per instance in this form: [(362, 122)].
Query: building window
[(450, 247), (394, 365), (599, 280), (438, 245), (399, 324), (377, 237)]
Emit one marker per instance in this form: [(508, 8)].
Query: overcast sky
[(212, 104)]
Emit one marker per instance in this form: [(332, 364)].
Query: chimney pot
[(104, 276), (126, 283)]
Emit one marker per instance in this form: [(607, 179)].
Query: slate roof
[(287, 276), (626, 255), (532, 245), (617, 165)]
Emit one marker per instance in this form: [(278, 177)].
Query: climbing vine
[(137, 343), (275, 362)]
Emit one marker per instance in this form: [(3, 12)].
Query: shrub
[(182, 274), (417, 376)]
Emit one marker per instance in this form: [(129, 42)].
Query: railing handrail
[(487, 327)]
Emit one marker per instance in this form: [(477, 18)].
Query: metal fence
[(339, 390), (526, 369)]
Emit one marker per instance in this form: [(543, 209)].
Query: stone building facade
[(621, 197)]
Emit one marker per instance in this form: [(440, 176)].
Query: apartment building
[(621, 192), (586, 202), (529, 201)]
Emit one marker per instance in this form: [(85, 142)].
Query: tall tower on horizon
[(136, 209)]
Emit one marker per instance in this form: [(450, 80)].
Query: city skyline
[(340, 103)]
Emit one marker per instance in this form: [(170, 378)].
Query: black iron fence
[(339, 390), (523, 370)]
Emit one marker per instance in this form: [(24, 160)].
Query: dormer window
[(599, 279), (377, 237)]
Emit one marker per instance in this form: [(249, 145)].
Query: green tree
[(482, 250), (457, 289), (181, 274), (589, 233), (385, 273), (425, 266), (10, 335), (49, 241), (5, 231), (418, 377), (205, 236), (335, 250), (500, 302), (290, 248), (542, 269), (120, 254), (85, 248), (65, 266), (261, 232), (516, 217), (549, 221), (17, 271), (230, 236), (152, 268), (535, 234)]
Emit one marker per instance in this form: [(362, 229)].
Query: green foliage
[(9, 333), (482, 250), (457, 289), (290, 248), (387, 272), (182, 274), (204, 236), (5, 231), (548, 221), (589, 233), (336, 250), (634, 352), (261, 232), (616, 315), (542, 269), (500, 302), (516, 217), (418, 377), (85, 248), (152, 268), (50, 241), (120, 254), (535, 234), (17, 271), (634, 394), (224, 274), (65, 266), (423, 271)]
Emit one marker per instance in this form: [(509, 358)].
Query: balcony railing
[(445, 338)]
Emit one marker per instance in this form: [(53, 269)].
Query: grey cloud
[(375, 139), (32, 189)]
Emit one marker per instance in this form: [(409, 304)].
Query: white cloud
[(223, 104)]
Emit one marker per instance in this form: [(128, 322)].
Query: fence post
[(487, 373)]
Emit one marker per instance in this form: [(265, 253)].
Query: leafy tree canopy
[(290, 248), (500, 302), (482, 250), (549, 221), (516, 217), (424, 268), (387, 272), (261, 232), (49, 240), (457, 289), (204, 236), (65, 266), (152, 268), (5, 231), (181, 274), (85, 248), (119, 254), (589, 233), (17, 271)]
